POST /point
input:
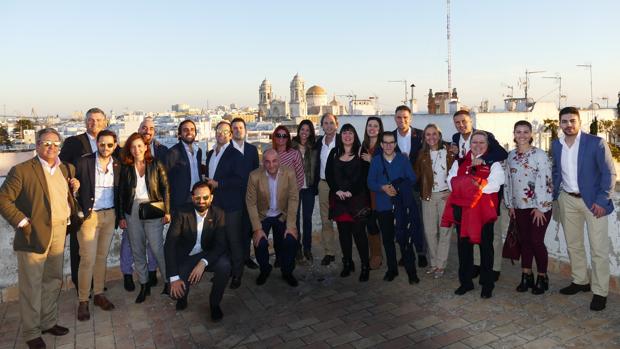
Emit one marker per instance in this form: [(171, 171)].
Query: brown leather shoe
[(83, 313), (36, 343), (102, 302), (56, 331)]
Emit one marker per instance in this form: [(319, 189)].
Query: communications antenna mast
[(449, 48)]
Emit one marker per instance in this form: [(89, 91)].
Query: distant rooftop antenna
[(449, 48)]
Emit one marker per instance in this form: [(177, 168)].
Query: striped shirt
[(292, 159)]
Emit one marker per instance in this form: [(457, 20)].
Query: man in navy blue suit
[(460, 146), (583, 179), (250, 160), (226, 174), (183, 165)]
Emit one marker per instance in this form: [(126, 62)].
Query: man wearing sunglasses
[(98, 197), (35, 199)]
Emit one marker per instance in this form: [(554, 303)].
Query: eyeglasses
[(204, 197), (222, 132), (109, 145), (281, 135), (50, 143)]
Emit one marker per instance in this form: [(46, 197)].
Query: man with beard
[(250, 160), (195, 243), (74, 148), (183, 165), (147, 130), (226, 175)]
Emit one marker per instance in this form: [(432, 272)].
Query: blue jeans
[(286, 247), (304, 211)]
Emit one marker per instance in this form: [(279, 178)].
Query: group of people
[(406, 186)]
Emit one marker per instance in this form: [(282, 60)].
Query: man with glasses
[(250, 160), (195, 243), (183, 165), (36, 200), (226, 175), (99, 175), (74, 148)]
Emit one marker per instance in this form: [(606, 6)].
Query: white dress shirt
[(570, 155), (193, 164), (104, 185), (404, 142), (240, 148), (325, 149), (215, 159), (273, 195), (494, 181), (464, 146), (93, 142), (200, 221)]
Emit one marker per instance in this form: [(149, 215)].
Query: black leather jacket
[(156, 185)]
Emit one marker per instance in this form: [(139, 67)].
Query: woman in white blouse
[(528, 194)]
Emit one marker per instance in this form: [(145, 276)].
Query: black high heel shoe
[(527, 282), (145, 290), (542, 284), (347, 268), (365, 273)]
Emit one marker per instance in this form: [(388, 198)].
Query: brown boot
[(102, 302), (376, 252), (82, 311)]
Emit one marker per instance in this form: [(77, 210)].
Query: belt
[(575, 195), (103, 209)]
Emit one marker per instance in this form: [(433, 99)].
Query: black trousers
[(386, 225), (236, 241), (74, 252), (220, 268), (349, 231), (466, 255)]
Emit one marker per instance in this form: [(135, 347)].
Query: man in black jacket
[(74, 148), (98, 197), (183, 165), (195, 243)]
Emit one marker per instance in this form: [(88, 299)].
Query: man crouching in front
[(195, 243)]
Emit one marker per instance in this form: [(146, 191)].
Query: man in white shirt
[(195, 243), (183, 165)]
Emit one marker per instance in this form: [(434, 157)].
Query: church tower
[(264, 98), (298, 104)]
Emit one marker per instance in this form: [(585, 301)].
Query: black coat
[(318, 145), (231, 179), (85, 173), (156, 185), (181, 237), (75, 147), (495, 153), (179, 175), (417, 139)]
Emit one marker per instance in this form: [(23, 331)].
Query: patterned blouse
[(528, 180), (292, 158)]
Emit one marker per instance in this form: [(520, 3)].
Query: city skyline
[(67, 56)]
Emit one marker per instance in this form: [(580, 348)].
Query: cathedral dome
[(265, 83), (316, 91)]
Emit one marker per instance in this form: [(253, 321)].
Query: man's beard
[(188, 142), (201, 208)]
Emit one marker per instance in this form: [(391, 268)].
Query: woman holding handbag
[(145, 205), (349, 205), (528, 195)]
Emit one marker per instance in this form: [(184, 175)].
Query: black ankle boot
[(153, 278), (542, 284), (365, 272), (145, 290), (527, 282), (347, 268)]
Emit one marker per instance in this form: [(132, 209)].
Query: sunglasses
[(109, 145), (281, 135), (223, 132), (204, 197), (50, 143)]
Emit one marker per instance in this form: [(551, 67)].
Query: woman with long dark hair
[(371, 146), (528, 193), (282, 143), (304, 143), (349, 205), (144, 182)]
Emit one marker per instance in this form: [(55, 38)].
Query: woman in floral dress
[(528, 194)]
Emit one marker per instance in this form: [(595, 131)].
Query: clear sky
[(63, 56)]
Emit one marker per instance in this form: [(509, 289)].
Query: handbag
[(151, 210), (512, 247)]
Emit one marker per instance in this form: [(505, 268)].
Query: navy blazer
[(179, 176), (596, 174), (75, 147), (417, 138), (231, 179), (495, 152), (85, 173), (250, 160), (181, 237), (161, 152)]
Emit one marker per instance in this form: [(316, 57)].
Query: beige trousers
[(94, 237), (39, 282), (328, 234), (500, 228), (573, 214), (437, 238)]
